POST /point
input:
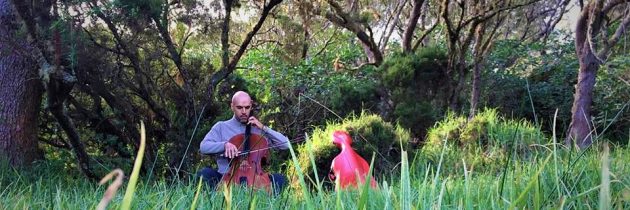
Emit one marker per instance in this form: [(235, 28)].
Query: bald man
[(216, 141)]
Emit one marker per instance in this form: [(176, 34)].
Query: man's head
[(241, 106)]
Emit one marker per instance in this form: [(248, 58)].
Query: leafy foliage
[(531, 81), (417, 84), (293, 96), (352, 97), (612, 99)]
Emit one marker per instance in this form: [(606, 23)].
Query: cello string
[(266, 148)]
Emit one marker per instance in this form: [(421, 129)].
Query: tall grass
[(590, 183), (550, 179)]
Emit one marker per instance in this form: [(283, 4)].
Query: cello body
[(348, 167), (247, 169)]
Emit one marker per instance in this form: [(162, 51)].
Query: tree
[(373, 22), (359, 27), (54, 72), (229, 65), (105, 66), (465, 26), (20, 92), (593, 45), (134, 44)]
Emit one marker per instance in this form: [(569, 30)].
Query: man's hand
[(253, 121), (230, 150)]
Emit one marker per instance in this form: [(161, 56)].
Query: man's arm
[(212, 143), (277, 139)]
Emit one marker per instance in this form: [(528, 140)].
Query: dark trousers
[(212, 177)]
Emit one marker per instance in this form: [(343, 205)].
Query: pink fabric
[(349, 167)]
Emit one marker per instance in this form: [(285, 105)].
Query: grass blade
[(521, 197), (298, 169), (467, 200), (252, 204), (405, 186), (227, 195), (111, 189), (314, 166), (194, 203), (441, 196), (338, 191), (555, 155), (131, 187), (604, 191), (366, 186)]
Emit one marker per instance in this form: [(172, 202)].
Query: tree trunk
[(57, 93), (476, 89), (412, 22), (307, 37), (455, 100), (581, 126), (20, 93), (389, 29), (476, 77), (587, 37), (579, 131)]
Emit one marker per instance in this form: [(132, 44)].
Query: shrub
[(612, 100), (354, 96), (416, 83), (543, 75), (484, 139), (370, 135)]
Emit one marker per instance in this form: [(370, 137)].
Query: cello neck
[(248, 134)]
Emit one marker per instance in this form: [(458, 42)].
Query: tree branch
[(229, 68), (621, 29), (342, 19), (389, 28), (57, 144), (177, 59), (412, 22), (488, 14), (328, 41), (424, 36)]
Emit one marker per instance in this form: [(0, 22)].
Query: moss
[(484, 140)]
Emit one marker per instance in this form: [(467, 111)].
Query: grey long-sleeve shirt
[(223, 131)]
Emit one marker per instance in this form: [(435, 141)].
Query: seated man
[(217, 140)]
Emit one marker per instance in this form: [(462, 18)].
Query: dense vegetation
[(462, 104)]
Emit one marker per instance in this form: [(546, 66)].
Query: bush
[(485, 139), (416, 83), (354, 96), (521, 75), (370, 135), (611, 100)]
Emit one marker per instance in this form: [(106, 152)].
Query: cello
[(246, 168)]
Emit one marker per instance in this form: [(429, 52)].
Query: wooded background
[(78, 76)]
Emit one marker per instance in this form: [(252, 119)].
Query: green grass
[(545, 178), (583, 182)]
